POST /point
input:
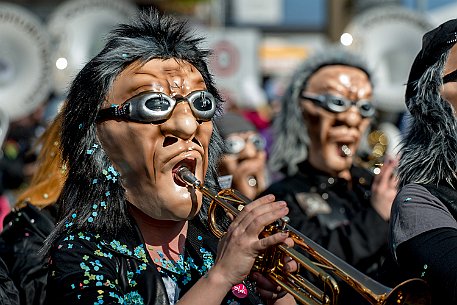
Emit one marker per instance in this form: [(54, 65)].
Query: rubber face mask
[(148, 151), (245, 162), (336, 125)]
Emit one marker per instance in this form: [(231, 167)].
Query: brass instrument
[(270, 263), (377, 142)]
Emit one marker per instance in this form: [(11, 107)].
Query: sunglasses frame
[(450, 77), (136, 110), (324, 101), (256, 135)]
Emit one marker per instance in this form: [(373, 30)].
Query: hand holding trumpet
[(241, 245)]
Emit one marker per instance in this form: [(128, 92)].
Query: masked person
[(130, 230), (423, 228), (243, 164), (325, 112)]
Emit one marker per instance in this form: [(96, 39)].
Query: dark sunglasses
[(156, 107), (235, 144), (451, 77), (338, 104)]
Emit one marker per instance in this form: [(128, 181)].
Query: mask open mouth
[(189, 163)]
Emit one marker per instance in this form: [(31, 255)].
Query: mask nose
[(351, 117), (249, 150), (182, 122)]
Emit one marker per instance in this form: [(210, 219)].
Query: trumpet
[(318, 262)]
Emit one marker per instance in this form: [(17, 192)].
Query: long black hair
[(93, 197), (428, 152)]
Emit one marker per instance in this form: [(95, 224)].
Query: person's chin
[(185, 215), (338, 164)]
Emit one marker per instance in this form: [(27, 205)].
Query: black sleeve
[(433, 256), (20, 242)]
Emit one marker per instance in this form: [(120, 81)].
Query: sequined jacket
[(88, 269)]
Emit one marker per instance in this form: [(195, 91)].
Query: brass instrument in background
[(411, 292), (377, 142)]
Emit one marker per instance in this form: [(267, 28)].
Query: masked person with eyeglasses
[(243, 163), (324, 113), (130, 231)]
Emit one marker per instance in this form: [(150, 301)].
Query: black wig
[(428, 153), (93, 197)]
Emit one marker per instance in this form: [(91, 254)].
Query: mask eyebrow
[(450, 77)]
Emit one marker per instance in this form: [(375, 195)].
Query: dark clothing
[(338, 218), (87, 269), (20, 242), (8, 292), (423, 239), (415, 211), (432, 257)]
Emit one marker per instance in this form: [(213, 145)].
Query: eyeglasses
[(451, 77), (155, 107), (235, 144), (339, 104)]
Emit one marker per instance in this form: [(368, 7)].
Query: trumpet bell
[(400, 295)]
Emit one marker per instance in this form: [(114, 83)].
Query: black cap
[(434, 44), (233, 123)]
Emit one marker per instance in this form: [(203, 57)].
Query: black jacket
[(337, 217), (20, 242), (8, 291), (340, 219)]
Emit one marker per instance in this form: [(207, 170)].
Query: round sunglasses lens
[(203, 104), (158, 104), (366, 109), (258, 141), (233, 145), (337, 104)]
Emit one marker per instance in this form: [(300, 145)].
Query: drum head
[(25, 69), (389, 37), (78, 29)]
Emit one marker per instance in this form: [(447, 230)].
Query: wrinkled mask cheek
[(318, 126), (206, 144), (112, 144)]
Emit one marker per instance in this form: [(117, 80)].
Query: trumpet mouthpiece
[(185, 176)]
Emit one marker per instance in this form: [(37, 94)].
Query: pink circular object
[(240, 291)]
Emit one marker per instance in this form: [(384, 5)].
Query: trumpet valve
[(283, 222)]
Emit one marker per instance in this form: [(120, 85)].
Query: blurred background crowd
[(256, 45)]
